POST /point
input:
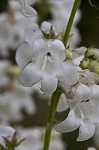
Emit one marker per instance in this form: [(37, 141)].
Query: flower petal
[(22, 2), (46, 26), (39, 48), (69, 74), (78, 60), (48, 84), (69, 124), (29, 2), (82, 94), (58, 48), (32, 32), (28, 11), (62, 105), (29, 76), (24, 54), (6, 131), (95, 92), (86, 131)]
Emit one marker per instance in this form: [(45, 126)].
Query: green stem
[(70, 22), (53, 105)]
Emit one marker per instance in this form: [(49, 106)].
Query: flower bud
[(89, 53), (84, 64), (13, 70), (94, 67), (68, 54)]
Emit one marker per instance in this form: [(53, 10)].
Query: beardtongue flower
[(45, 61), (84, 115), (27, 10)]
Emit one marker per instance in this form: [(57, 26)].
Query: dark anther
[(48, 54), (85, 101)]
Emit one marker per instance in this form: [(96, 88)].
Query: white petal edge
[(24, 54), (62, 105), (48, 84), (69, 124), (29, 2), (84, 92), (29, 76), (28, 11), (69, 74), (86, 131)]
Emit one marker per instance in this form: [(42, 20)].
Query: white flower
[(7, 132), (83, 116), (45, 62), (76, 94), (81, 93), (27, 10)]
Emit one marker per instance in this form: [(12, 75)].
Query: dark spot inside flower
[(48, 54), (82, 76), (85, 101)]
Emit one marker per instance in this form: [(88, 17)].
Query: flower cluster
[(43, 58), (49, 65), (82, 99)]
